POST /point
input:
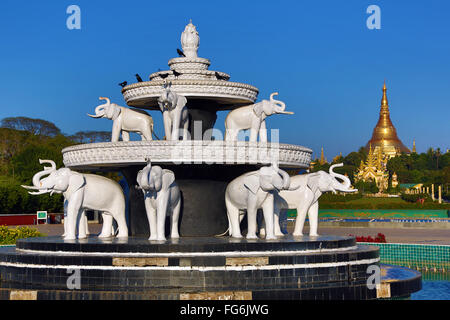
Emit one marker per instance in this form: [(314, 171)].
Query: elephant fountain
[(303, 194), (125, 120), (175, 113), (83, 192), (252, 191), (161, 197), (253, 117)]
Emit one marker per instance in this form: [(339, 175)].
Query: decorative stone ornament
[(175, 113), (253, 117), (252, 191), (83, 192), (125, 120), (162, 197), (303, 194), (190, 41)]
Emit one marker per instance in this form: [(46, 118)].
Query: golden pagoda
[(322, 159), (414, 147), (384, 135)]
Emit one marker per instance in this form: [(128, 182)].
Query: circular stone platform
[(324, 267)]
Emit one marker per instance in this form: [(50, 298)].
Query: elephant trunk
[(286, 179), (281, 106), (47, 170), (100, 110), (346, 181)]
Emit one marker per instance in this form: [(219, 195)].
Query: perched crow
[(123, 84), (176, 74), (220, 77), (138, 77), (164, 75), (181, 53)]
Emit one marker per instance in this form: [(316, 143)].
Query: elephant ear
[(181, 101), (258, 109), (116, 110), (313, 181), (76, 181), (251, 182), (169, 177), (313, 184)]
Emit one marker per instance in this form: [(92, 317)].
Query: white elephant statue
[(83, 192), (125, 120), (161, 197), (252, 191), (253, 117), (303, 195), (175, 113)]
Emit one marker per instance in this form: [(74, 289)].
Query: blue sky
[(325, 63)]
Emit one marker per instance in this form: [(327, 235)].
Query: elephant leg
[(119, 216), (263, 132), (174, 220), (185, 129), (73, 211), (161, 214), (256, 124), (81, 221), (176, 127), (268, 217), (233, 219), (251, 222), (146, 135), (167, 125), (151, 216), (276, 221), (313, 215), (107, 226), (115, 133), (300, 220), (125, 136)]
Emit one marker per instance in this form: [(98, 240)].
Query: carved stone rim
[(193, 82), (109, 154)]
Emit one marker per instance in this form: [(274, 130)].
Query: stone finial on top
[(190, 41)]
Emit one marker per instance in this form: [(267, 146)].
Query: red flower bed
[(380, 238)]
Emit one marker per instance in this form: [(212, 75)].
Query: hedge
[(9, 236)]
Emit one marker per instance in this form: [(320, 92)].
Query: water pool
[(435, 286)]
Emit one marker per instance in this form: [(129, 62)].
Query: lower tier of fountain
[(202, 170), (289, 268)]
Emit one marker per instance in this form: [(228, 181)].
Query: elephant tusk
[(286, 112), (94, 116)]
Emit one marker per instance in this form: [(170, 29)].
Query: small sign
[(41, 215)]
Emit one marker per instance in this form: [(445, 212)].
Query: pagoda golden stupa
[(384, 135)]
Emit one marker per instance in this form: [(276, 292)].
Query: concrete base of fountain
[(311, 268)]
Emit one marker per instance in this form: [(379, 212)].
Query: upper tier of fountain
[(190, 77)]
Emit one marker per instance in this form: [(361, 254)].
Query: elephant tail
[(153, 132), (227, 204)]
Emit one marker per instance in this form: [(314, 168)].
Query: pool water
[(435, 286)]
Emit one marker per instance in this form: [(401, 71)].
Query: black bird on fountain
[(181, 53), (163, 75), (176, 74), (138, 77), (123, 84), (220, 77)]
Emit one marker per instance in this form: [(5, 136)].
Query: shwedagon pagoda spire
[(384, 135)]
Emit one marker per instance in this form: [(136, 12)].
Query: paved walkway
[(393, 235)]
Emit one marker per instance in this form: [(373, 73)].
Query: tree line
[(23, 141)]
